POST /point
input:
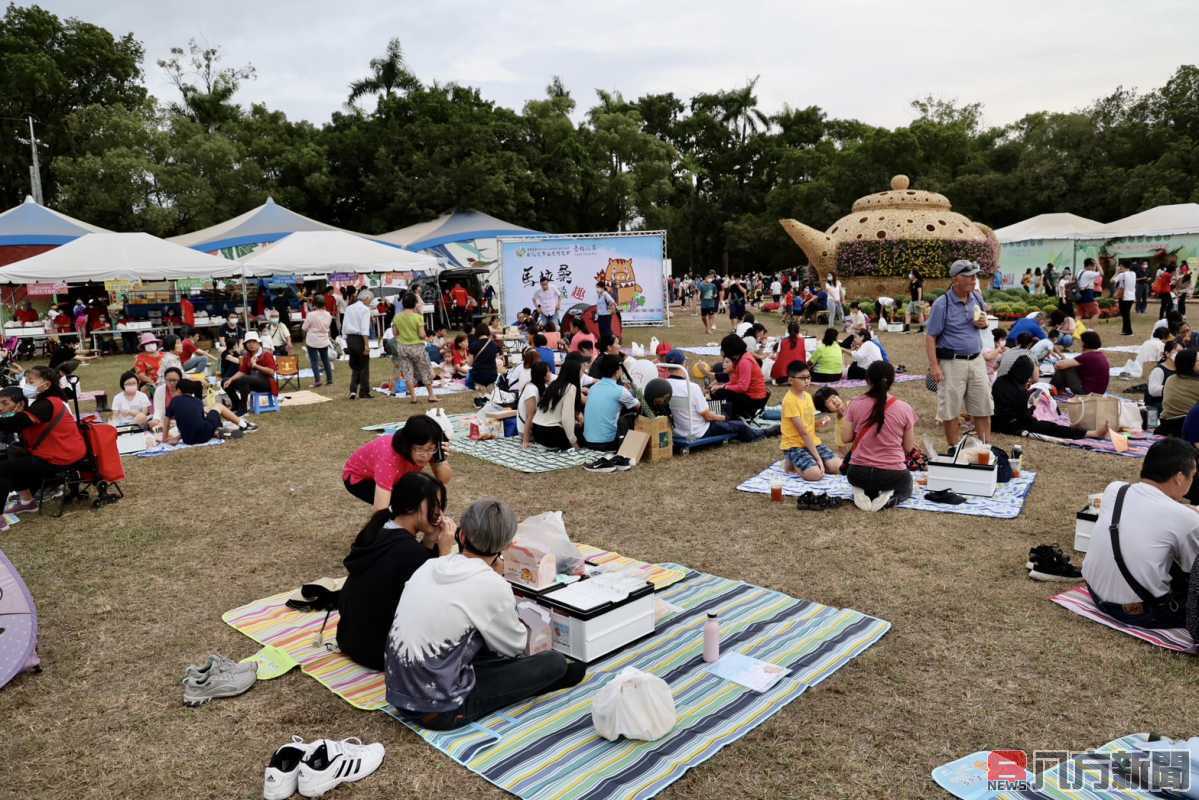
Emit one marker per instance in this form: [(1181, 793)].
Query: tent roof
[(117, 256), (1180, 218), (33, 223), (457, 226), (332, 251), (266, 223), (1050, 226)]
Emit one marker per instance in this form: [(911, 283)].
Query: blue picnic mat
[(164, 449), (1006, 504), (505, 452), (548, 748)]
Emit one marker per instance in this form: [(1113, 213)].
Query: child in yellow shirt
[(803, 452)]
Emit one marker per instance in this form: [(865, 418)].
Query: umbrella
[(18, 624)]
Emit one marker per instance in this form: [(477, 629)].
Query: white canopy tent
[(317, 252), (1050, 226), (116, 257), (1179, 219)]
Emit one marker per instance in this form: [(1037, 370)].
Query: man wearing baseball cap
[(954, 349), (255, 373)]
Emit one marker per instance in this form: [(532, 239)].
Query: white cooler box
[(1084, 524), (978, 480), (591, 634)]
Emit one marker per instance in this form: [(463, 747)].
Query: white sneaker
[(332, 763), (881, 500), (282, 775), (860, 499)]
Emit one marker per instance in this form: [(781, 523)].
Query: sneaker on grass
[(602, 464), (333, 763), (1048, 563), (217, 683), (281, 778)]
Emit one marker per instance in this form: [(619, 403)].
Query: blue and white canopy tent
[(461, 239), (33, 224), (241, 235)]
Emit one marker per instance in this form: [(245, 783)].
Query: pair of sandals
[(810, 501)]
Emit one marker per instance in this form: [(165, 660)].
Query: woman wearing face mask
[(148, 363), (130, 406), (255, 373), (50, 437), (276, 334), (383, 558)]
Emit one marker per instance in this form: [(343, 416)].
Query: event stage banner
[(631, 264)]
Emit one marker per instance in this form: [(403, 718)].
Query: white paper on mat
[(752, 673)]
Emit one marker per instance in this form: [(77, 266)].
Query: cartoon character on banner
[(623, 279)]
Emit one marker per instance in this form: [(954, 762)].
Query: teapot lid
[(900, 196)]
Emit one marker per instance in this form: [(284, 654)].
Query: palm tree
[(741, 111), (388, 74)]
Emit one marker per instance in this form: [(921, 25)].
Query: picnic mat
[(164, 449), (1123, 348), (1006, 504), (445, 387), (1079, 601), (657, 574), (967, 777), (270, 622), (302, 397), (1137, 448), (506, 452), (702, 350), (548, 748)]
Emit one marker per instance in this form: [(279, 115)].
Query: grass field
[(977, 657)]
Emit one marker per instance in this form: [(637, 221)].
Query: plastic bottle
[(712, 637)]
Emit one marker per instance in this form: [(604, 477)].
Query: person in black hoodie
[(383, 558), (1012, 414)]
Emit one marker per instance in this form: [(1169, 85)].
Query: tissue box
[(541, 628), (978, 480), (529, 566)]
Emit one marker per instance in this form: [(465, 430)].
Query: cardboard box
[(633, 446), (661, 440), (529, 565)]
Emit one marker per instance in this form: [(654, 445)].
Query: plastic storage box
[(591, 634), (978, 480)]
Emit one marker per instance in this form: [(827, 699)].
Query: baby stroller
[(100, 469)]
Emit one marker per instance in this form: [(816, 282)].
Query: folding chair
[(287, 370)]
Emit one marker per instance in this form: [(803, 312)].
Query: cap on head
[(963, 267), (252, 336)]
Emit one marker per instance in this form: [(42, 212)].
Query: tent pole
[(245, 306)]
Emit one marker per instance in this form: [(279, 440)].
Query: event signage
[(631, 265), (45, 289)]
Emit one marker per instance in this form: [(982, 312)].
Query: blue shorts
[(707, 307), (801, 457)]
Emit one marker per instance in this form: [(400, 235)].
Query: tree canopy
[(715, 169)]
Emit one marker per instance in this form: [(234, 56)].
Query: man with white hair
[(357, 329)]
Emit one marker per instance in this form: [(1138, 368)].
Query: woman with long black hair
[(557, 420), (383, 558), (744, 392), (883, 431)]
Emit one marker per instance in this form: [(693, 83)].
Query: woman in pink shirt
[(883, 431), (373, 469), (744, 393)]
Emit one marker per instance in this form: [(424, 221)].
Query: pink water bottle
[(712, 638)]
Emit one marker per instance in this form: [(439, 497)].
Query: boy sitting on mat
[(1137, 572), (803, 452)]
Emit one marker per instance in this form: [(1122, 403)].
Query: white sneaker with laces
[(332, 763), (282, 775)]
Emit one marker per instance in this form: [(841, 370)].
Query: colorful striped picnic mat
[(1137, 447), (1079, 601), (548, 748)]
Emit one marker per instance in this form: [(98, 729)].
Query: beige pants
[(965, 386)]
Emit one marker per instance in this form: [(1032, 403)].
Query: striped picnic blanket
[(1079, 601), (548, 748), (164, 449), (270, 622), (1065, 780), (1137, 448), (505, 452), (1007, 502)]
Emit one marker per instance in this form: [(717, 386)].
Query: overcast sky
[(853, 58)]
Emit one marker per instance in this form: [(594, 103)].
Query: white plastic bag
[(1130, 416), (635, 705), (653, 345), (637, 350), (549, 531), (439, 416)]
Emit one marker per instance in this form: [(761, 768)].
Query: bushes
[(898, 257)]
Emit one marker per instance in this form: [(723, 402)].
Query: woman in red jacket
[(744, 393), (790, 349), (50, 437)]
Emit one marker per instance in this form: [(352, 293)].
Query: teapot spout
[(817, 245)]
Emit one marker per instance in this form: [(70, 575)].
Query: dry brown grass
[(977, 657)]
